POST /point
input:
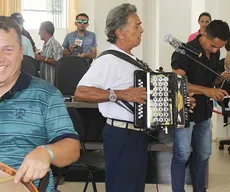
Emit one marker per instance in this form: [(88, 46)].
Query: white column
[(197, 7)]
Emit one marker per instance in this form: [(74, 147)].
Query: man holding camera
[(81, 43)]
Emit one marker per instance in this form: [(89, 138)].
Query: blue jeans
[(199, 137)]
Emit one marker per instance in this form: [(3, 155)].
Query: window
[(36, 11)]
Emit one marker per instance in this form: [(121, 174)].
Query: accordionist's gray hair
[(117, 19)]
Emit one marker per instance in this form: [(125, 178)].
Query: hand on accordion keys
[(191, 102), (133, 94)]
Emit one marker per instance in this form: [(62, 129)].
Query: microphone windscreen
[(168, 38)]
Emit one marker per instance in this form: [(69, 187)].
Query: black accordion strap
[(126, 105), (138, 63)]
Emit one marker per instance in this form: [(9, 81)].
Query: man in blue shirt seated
[(81, 43), (35, 128)]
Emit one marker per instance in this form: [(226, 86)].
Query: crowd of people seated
[(81, 43)]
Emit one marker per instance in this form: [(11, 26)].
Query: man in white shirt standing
[(110, 79)]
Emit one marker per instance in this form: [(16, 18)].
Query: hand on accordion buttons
[(135, 94), (191, 102)]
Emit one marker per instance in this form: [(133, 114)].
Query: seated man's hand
[(72, 47), (39, 57), (34, 166), (81, 54)]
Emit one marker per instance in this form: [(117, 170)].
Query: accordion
[(167, 100)]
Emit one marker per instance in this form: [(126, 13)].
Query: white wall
[(174, 18), (150, 42), (197, 7), (178, 17)]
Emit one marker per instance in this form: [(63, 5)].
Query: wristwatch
[(112, 95)]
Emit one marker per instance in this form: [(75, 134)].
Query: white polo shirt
[(111, 72)]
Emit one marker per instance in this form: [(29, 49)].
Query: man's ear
[(119, 34)]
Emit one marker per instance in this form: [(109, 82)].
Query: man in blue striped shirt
[(35, 129)]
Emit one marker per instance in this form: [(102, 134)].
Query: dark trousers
[(126, 156)]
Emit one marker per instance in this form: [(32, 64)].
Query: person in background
[(18, 17), (27, 47), (51, 52), (81, 43), (35, 128), (203, 20), (201, 81)]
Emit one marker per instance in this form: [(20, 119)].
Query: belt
[(122, 124)]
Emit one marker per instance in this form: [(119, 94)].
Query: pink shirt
[(193, 36)]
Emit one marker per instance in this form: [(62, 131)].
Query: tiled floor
[(219, 177)]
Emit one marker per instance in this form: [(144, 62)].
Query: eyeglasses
[(82, 21)]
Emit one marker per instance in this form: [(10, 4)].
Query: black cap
[(17, 17)]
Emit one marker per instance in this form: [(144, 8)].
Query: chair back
[(77, 122), (29, 65), (69, 71)]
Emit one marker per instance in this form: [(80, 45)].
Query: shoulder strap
[(138, 63), (126, 105)]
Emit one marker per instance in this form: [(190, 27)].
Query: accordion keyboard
[(166, 99)]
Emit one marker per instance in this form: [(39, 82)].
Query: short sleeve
[(179, 61), (190, 38), (94, 44), (57, 51), (221, 65), (101, 74), (29, 49), (58, 124), (65, 43)]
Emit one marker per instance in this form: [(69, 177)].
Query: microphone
[(181, 47)]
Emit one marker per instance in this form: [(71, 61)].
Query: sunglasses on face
[(82, 21)]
